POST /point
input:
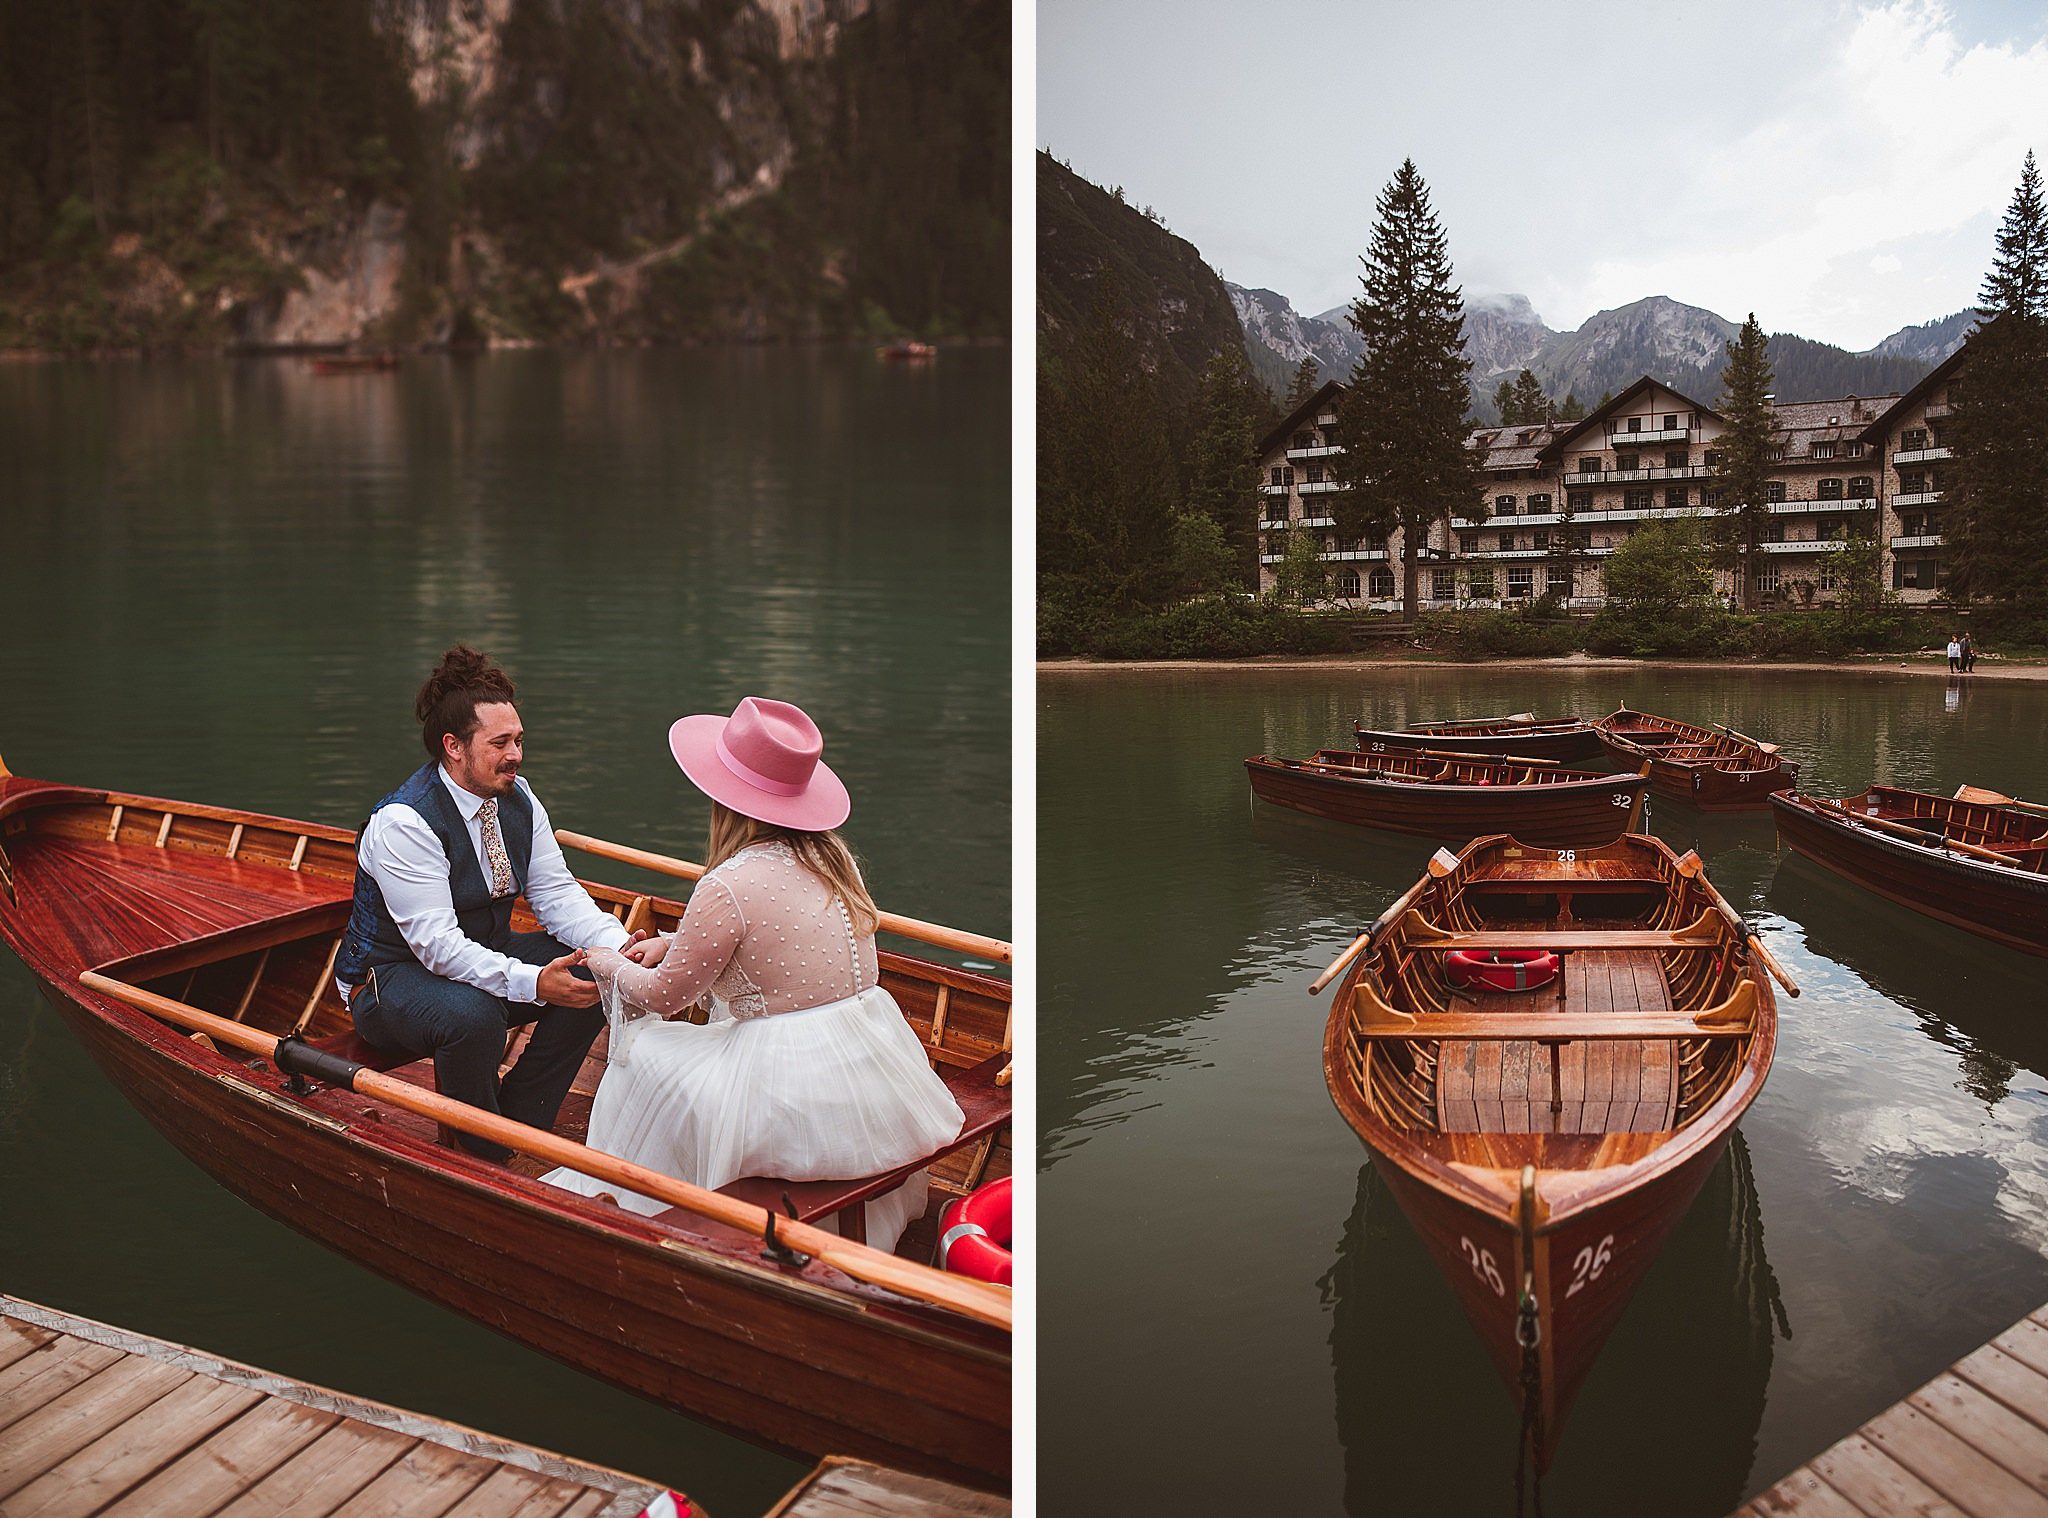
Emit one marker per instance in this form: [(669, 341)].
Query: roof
[(1938, 375), (1298, 415), (1517, 447), (1798, 425), (1554, 450)]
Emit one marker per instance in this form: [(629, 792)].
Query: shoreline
[(1883, 664), (458, 350)]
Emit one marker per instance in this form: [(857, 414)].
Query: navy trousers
[(406, 1006)]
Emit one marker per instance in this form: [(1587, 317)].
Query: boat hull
[(1709, 785), (704, 1329), (1576, 814), (1565, 747), (2002, 905)]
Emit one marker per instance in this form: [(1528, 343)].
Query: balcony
[(1920, 456), (1309, 521), (1507, 553), (1918, 498), (1840, 503), (1648, 435), (1326, 450), (1327, 419), (1320, 487), (1355, 555), (1274, 489), (1919, 540), (1640, 476), (1801, 545), (1936, 410)]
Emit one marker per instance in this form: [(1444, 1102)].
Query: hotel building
[(1561, 497)]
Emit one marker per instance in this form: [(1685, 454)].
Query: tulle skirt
[(833, 1092)]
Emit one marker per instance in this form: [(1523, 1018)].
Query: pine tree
[(1504, 404), (1995, 519), (1225, 482), (1746, 448), (1571, 408), (1306, 380), (1403, 414), (1532, 406)]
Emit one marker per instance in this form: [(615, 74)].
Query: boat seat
[(985, 1105)]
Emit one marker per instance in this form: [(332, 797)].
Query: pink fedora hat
[(762, 762)]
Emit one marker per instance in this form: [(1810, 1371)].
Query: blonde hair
[(825, 855)]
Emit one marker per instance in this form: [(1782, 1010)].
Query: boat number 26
[(1588, 1264), (1481, 1261)]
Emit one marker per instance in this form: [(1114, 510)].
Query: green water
[(224, 581), (1237, 1316)]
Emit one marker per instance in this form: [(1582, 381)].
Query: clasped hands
[(560, 986)]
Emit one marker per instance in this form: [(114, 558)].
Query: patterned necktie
[(494, 850)]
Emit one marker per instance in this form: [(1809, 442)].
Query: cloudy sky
[(1838, 168)]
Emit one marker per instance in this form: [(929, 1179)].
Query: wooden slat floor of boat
[(1606, 1085), (97, 1420), (1972, 1443), (88, 902), (842, 1488)]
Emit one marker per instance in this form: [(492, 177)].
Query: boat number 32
[(1481, 1261), (1621, 798), (1588, 1264)]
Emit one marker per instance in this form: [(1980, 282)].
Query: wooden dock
[(97, 1420), (1971, 1443), (854, 1489)]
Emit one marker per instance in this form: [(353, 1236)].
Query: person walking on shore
[(1955, 655), (1969, 654)]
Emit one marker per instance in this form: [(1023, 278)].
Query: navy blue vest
[(374, 939)]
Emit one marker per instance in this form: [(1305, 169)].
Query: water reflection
[(1699, 1335)]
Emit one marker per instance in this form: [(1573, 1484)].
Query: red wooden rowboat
[(1450, 798), (240, 914), (1714, 769), (1543, 1147), (1563, 739), (1980, 866)]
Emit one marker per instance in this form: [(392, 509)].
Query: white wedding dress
[(806, 1069)]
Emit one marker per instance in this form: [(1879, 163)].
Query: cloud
[(1897, 140)]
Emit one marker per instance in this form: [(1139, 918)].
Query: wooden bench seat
[(985, 1105), (1704, 932), (1540, 1026)]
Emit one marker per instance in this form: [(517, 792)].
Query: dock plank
[(18, 1339), (510, 1493), (122, 1456), (63, 1426), (244, 1452), (1871, 1479), (1965, 1476), (852, 1489), (337, 1465), (1988, 1426), (47, 1374), (2015, 1383), (1803, 1495), (424, 1482)]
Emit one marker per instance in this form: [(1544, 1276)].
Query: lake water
[(1237, 1316), (225, 581)]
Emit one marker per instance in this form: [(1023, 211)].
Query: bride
[(807, 1069)]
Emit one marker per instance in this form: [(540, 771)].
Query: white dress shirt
[(404, 856)]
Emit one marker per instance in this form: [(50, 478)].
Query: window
[(1521, 580), (1635, 500), (1542, 542), (1314, 473), (1504, 505), (1276, 513), (1560, 580), (1912, 524), (1277, 480), (1382, 584), (1677, 458), (1590, 465), (1347, 585), (1830, 490), (1469, 543), (1774, 530), (1829, 580), (1304, 440), (1627, 461), (1777, 454), (1854, 451), (1831, 530), (1774, 491), (1443, 585), (1539, 505), (1714, 457), (1635, 424), (1507, 542), (1860, 488), (1912, 440), (1767, 578), (1913, 574), (1670, 424), (1710, 499), (1823, 450), (1289, 472), (1482, 584), (1678, 496), (1579, 500)]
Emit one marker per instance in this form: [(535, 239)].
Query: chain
[(1529, 1334)]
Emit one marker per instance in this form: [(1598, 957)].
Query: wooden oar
[(1769, 748), (904, 927), (1770, 962), (990, 1304), (1358, 944), (1692, 865), (1925, 840), (1975, 793)]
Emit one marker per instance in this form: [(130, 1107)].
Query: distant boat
[(354, 363), (1523, 735), (1715, 769), (906, 353)]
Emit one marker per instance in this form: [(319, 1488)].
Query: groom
[(431, 964)]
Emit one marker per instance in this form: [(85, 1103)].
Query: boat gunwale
[(1579, 780), (1460, 1183), (1930, 853)]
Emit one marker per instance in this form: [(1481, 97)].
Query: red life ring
[(974, 1234), (1500, 969)]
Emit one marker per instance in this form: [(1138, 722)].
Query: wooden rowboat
[(1544, 1143), (1713, 768), (1452, 798), (1980, 866), (196, 910), (1525, 735)]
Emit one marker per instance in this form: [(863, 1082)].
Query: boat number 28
[(1588, 1264), (1481, 1261)]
